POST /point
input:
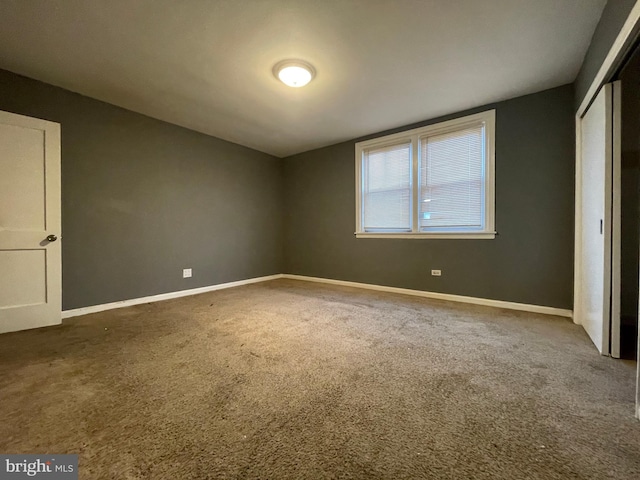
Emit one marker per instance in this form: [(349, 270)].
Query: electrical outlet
[(436, 273), (186, 273)]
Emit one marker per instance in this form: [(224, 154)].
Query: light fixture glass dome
[(294, 73)]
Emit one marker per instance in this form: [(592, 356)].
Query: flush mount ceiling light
[(294, 73)]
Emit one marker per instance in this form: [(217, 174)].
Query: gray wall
[(613, 17), (141, 199), (530, 261)]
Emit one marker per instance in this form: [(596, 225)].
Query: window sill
[(418, 236)]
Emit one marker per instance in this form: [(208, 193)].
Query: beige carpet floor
[(296, 380)]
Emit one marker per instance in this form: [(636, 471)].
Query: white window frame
[(488, 120)]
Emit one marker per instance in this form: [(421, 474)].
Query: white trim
[(164, 296), (413, 137), (381, 288), (417, 236), (616, 219), (440, 296), (577, 255), (610, 63)]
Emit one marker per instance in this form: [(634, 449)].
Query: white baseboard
[(381, 288), (441, 296), (163, 296)]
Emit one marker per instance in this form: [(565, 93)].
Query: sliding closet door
[(598, 284)]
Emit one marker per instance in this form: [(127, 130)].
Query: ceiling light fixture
[(294, 73)]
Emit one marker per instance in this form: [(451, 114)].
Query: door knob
[(51, 238)]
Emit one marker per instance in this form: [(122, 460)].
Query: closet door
[(596, 311)]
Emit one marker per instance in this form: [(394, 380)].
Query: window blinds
[(387, 188), (452, 180)]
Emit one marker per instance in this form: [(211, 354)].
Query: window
[(431, 182)]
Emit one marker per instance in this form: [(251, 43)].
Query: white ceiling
[(207, 65)]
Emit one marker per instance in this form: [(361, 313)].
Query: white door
[(30, 227), (598, 303)]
